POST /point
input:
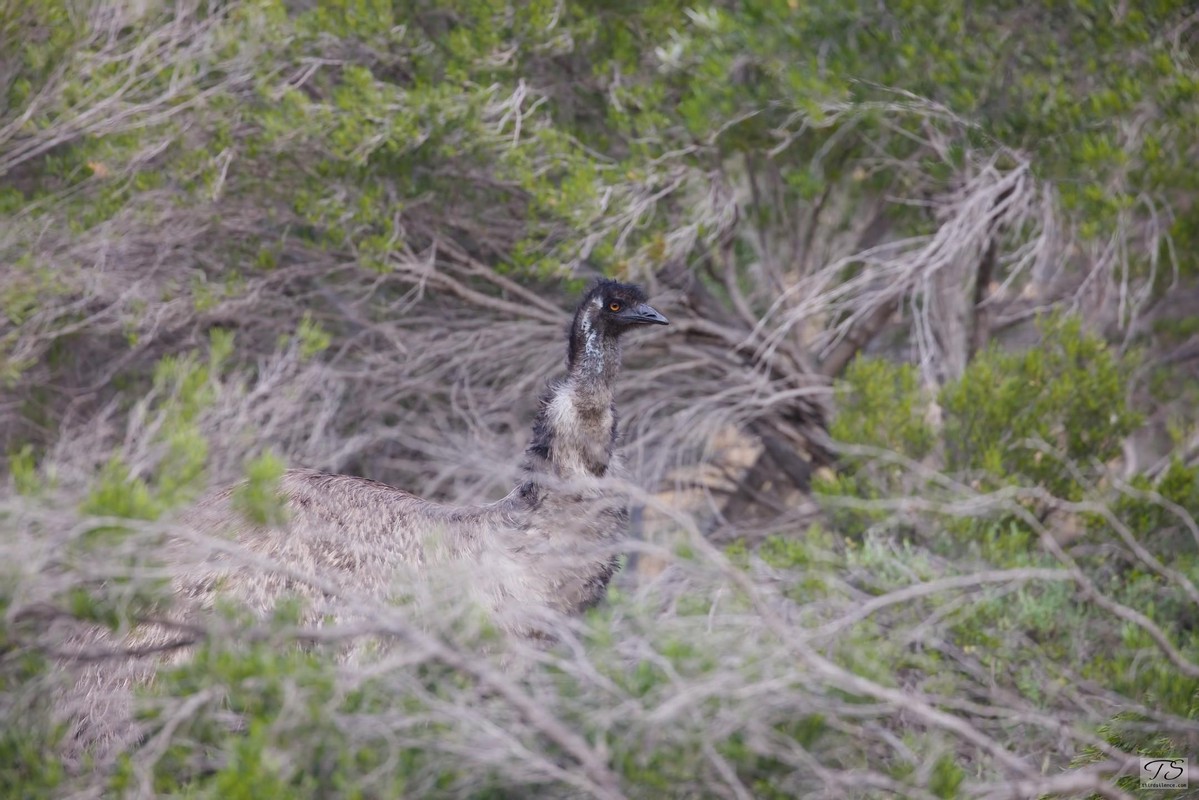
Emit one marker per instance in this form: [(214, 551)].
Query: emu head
[(608, 310)]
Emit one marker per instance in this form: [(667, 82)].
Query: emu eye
[(614, 306)]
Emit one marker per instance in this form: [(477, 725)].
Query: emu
[(550, 544)]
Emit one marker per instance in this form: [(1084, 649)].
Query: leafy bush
[(1033, 416), (1027, 438)]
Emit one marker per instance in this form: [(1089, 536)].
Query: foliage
[(883, 405), (1050, 417), (242, 234), (28, 767), (1031, 415), (259, 498), (1047, 420)]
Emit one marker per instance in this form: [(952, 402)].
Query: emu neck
[(575, 432), (593, 360)]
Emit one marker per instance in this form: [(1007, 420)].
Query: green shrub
[(1032, 416)]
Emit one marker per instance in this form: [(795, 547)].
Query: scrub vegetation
[(915, 466)]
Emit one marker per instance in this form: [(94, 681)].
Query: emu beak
[(645, 314)]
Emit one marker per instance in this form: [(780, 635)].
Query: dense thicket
[(918, 456)]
